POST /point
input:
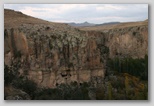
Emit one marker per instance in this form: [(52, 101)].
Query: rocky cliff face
[(128, 42), (51, 54)]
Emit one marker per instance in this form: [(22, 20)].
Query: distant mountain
[(81, 24), (108, 23), (87, 24), (146, 20)]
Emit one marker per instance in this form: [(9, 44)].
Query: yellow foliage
[(141, 86), (126, 84), (109, 91), (135, 80), (126, 74)]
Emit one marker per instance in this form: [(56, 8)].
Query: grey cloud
[(124, 12)]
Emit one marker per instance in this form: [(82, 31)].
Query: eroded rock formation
[(55, 59), (51, 54)]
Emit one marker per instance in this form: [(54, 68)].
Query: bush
[(100, 93), (63, 92), (26, 85), (8, 75), (11, 77)]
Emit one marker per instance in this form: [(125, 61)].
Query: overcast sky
[(93, 13)]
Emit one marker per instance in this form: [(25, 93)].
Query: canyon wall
[(128, 42), (52, 56)]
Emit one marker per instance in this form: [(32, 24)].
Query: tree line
[(137, 67)]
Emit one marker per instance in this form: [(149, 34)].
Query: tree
[(109, 91), (126, 85)]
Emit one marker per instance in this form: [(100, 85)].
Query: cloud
[(109, 7), (95, 13)]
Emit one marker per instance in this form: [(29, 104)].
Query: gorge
[(51, 53)]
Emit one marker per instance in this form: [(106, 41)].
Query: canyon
[(55, 53)]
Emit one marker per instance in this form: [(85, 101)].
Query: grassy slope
[(15, 19)]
